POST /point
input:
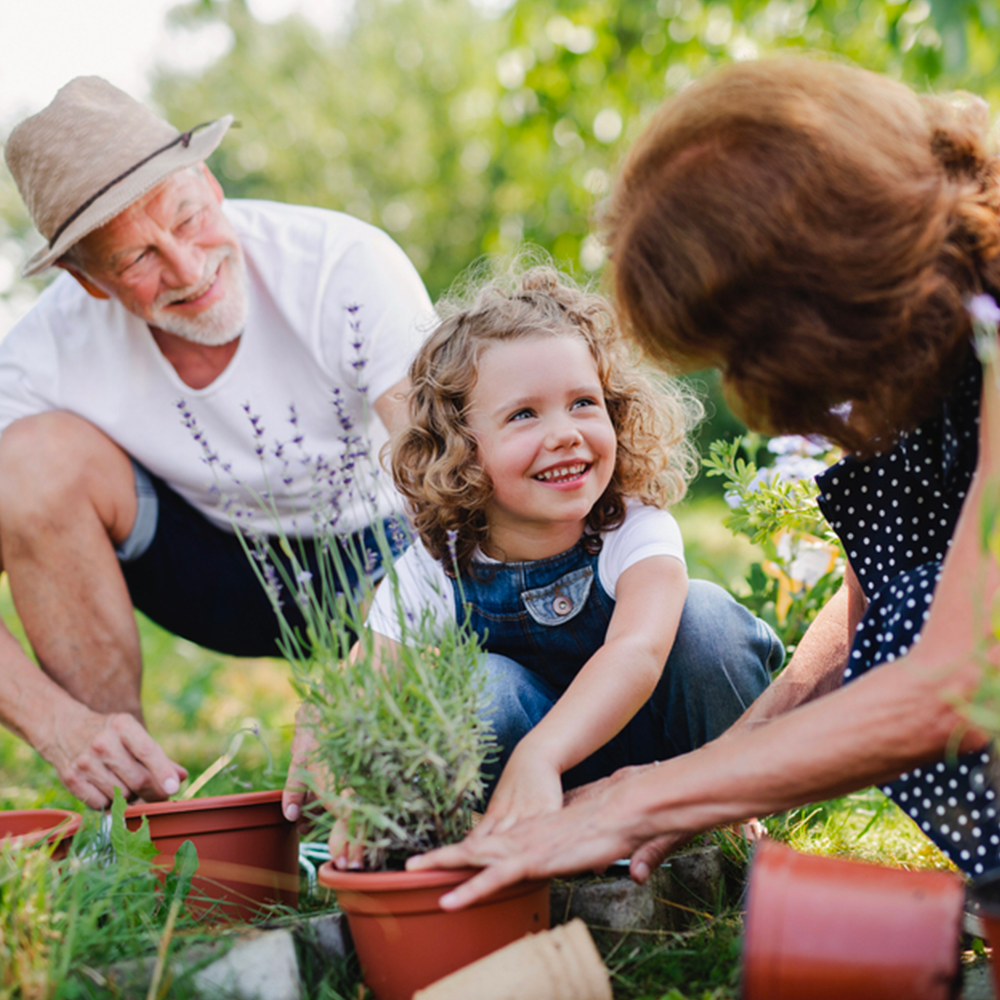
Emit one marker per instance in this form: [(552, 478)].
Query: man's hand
[(94, 754)]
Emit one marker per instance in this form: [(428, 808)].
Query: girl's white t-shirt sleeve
[(422, 592), (645, 532)]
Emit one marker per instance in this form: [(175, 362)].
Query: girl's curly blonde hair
[(435, 462)]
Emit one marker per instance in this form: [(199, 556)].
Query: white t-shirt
[(307, 269), (424, 587)]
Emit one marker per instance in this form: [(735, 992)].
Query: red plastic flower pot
[(828, 929), (985, 895), (405, 941), (55, 827), (248, 853)]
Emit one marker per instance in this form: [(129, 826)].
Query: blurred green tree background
[(466, 126)]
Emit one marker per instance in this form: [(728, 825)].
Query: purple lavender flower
[(984, 310)]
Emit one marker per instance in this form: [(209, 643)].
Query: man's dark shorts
[(195, 579)]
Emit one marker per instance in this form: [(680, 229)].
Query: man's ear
[(88, 285)]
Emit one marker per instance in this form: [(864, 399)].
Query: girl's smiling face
[(544, 438)]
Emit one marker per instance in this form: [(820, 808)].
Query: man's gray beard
[(221, 323)]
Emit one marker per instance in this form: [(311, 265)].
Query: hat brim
[(117, 199)]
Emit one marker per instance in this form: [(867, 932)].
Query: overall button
[(562, 605)]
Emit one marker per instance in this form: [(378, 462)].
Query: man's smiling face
[(172, 259)]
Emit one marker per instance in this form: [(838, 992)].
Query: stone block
[(257, 966), (261, 967), (686, 889)]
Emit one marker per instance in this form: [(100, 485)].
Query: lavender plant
[(398, 746), (775, 507)]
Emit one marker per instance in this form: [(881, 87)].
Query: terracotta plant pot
[(985, 894), (248, 853), (825, 929), (405, 941), (55, 827), (561, 964)]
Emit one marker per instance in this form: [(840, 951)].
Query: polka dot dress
[(896, 514)]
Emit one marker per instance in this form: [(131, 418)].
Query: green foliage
[(62, 923), (776, 508), (463, 130), (134, 849)]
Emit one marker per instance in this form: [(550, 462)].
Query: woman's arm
[(895, 717), (603, 697), (817, 668)]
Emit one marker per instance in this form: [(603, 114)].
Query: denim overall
[(540, 621)]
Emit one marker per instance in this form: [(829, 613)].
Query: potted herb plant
[(397, 758)]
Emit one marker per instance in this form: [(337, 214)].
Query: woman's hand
[(589, 834)]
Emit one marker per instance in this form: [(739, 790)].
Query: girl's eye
[(520, 415), (584, 401)]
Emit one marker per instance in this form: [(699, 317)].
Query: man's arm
[(392, 407), (93, 753), (67, 496)]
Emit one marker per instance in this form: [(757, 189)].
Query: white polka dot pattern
[(895, 514)]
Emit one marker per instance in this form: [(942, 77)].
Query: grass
[(195, 700)]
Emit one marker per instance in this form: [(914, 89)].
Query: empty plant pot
[(405, 941), (54, 827), (248, 853), (560, 964), (825, 929)]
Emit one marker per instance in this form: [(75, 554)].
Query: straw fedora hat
[(92, 152)]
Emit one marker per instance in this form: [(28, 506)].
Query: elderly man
[(186, 328)]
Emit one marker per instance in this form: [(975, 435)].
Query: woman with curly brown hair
[(537, 468), (817, 232)]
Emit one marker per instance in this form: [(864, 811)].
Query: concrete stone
[(327, 932), (684, 890), (977, 981), (260, 965)]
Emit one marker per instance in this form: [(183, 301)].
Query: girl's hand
[(529, 786), (344, 854)]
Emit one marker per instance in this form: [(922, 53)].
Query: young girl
[(538, 466)]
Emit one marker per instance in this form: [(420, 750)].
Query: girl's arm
[(603, 697), (895, 717)]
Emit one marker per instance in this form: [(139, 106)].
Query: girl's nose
[(564, 434)]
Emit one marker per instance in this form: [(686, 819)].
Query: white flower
[(793, 468), (796, 444)]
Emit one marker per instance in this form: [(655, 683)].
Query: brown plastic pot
[(405, 941), (985, 895), (54, 827), (826, 928), (248, 853)]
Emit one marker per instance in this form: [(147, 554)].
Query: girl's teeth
[(568, 473)]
